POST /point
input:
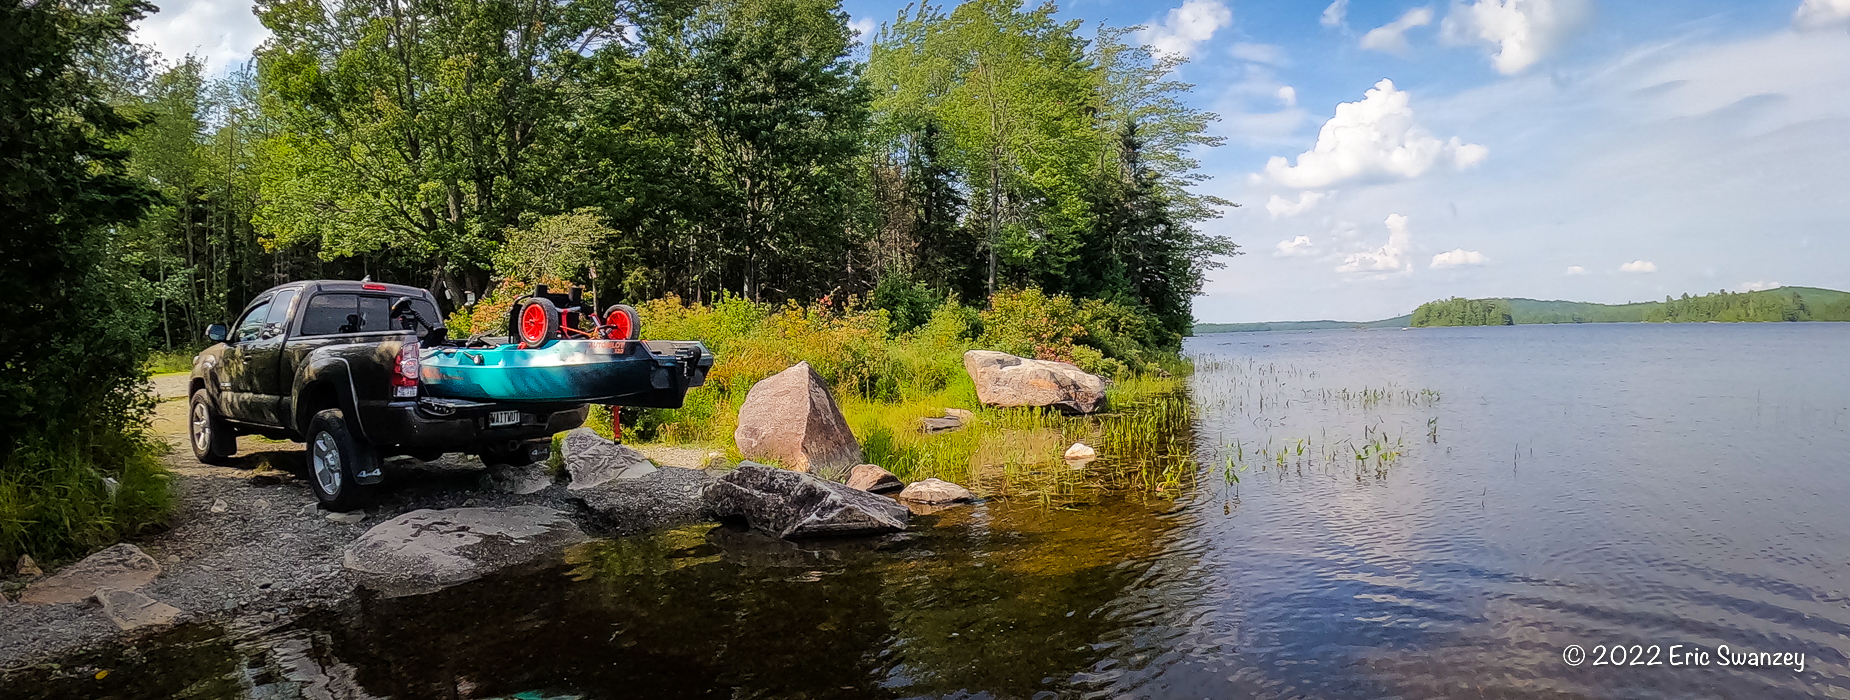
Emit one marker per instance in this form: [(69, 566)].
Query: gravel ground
[(268, 554)]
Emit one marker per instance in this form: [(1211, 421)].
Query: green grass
[(169, 362), (56, 499)]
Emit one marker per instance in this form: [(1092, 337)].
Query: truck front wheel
[(335, 457), (213, 441)]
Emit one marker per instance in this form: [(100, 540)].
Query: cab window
[(251, 325), (349, 313)]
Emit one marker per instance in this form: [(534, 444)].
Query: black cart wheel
[(536, 322), (622, 323), (335, 456), (212, 438)]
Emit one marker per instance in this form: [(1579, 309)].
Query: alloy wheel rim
[(202, 428), (327, 463)]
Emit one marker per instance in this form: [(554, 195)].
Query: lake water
[(1519, 490)]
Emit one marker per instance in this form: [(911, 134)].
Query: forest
[(746, 147), (703, 153)]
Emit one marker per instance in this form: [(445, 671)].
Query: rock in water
[(791, 418), (425, 550), (131, 610), (1009, 381), (934, 491), (122, 567), (592, 460), (1079, 451), (792, 504), (872, 479), (667, 497)]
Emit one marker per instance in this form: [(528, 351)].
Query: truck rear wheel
[(335, 457), (213, 441)]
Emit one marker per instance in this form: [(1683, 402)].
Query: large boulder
[(122, 567), (426, 550), (793, 504), (591, 460), (1009, 381), (667, 497), (791, 418)]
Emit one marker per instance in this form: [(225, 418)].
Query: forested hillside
[(1782, 304)]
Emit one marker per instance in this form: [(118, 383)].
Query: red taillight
[(405, 381), (373, 287)]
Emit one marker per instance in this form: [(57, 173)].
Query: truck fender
[(325, 374)]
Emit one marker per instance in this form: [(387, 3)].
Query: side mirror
[(468, 299), (400, 306), (217, 332)]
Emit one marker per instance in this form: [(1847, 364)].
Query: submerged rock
[(667, 497), (791, 418), (131, 611), (122, 567), (426, 550), (591, 460), (1009, 381), (1079, 451), (793, 504), (934, 492), (872, 479)]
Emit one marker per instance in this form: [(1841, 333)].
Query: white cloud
[(223, 32), (1279, 206), (1576, 270), (1269, 54), (1521, 31), (1186, 26), (1458, 257), (1756, 286), (864, 28), (1295, 247), (1392, 37), (1373, 137), (1288, 96), (1639, 266), (1822, 14), (1388, 258), (1335, 14)]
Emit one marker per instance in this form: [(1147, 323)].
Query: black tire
[(634, 327), (538, 330), (335, 454), (213, 440)]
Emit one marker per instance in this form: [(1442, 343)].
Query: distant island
[(1779, 304)]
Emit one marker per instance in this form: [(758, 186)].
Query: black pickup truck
[(332, 364)]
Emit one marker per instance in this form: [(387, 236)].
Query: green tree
[(419, 129), (74, 330), (773, 114)]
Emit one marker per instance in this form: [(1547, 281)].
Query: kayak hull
[(646, 373)]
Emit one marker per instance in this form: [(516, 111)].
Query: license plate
[(500, 418)]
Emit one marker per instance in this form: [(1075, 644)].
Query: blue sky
[(1391, 153)]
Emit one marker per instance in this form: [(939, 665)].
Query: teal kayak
[(647, 373)]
